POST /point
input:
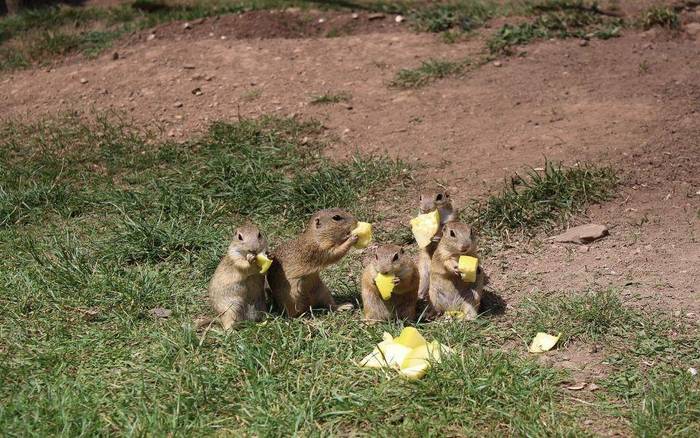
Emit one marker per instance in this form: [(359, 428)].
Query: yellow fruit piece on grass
[(425, 226), (543, 342), (386, 353), (454, 314), (364, 233), (263, 261), (410, 338), (409, 354), (468, 266), (385, 284)]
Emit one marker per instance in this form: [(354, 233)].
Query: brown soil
[(631, 102)]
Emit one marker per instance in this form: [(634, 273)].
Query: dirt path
[(632, 101)]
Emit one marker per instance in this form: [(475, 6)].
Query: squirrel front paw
[(250, 258)]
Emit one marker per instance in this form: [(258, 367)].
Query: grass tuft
[(462, 16), (542, 199), (428, 72), (329, 97), (661, 16), (556, 19)]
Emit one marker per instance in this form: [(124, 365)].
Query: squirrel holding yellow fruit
[(456, 280), (236, 291), (294, 279), (432, 202), (389, 285)]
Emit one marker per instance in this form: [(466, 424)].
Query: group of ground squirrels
[(237, 290)]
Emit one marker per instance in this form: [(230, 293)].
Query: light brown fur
[(390, 259), (236, 291), (448, 292), (429, 201), (294, 278)]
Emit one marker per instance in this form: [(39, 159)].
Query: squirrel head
[(433, 200), (247, 239), (457, 238), (331, 227), (389, 259)]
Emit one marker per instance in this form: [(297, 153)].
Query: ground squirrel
[(294, 278), (429, 201), (390, 259), (448, 292), (236, 291)]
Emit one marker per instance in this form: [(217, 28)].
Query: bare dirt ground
[(632, 102)]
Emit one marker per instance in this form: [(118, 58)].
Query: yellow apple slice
[(364, 233), (263, 261), (410, 338), (454, 314), (386, 354), (425, 226), (416, 371), (468, 266), (385, 284), (417, 362), (543, 342)]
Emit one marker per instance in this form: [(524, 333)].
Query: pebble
[(399, 18), (377, 16), (693, 371), (187, 26), (178, 104), (188, 66), (497, 63), (83, 81), (583, 43), (151, 37), (355, 15), (582, 234)]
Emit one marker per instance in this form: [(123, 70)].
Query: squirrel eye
[(337, 217), (396, 257), (452, 233), (240, 237), (439, 197), (259, 235)]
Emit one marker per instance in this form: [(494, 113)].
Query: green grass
[(542, 199), (661, 16), (328, 98), (460, 15), (429, 71), (556, 19), (100, 223)]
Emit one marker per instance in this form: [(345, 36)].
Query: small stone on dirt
[(151, 37), (497, 63), (187, 26), (693, 29), (197, 91), (83, 81), (355, 15), (583, 43), (377, 16), (189, 66), (321, 20), (582, 234), (693, 371), (399, 18), (160, 312), (178, 105)]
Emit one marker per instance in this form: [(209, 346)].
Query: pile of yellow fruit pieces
[(410, 354)]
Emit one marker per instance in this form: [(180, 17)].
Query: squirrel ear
[(318, 222)]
